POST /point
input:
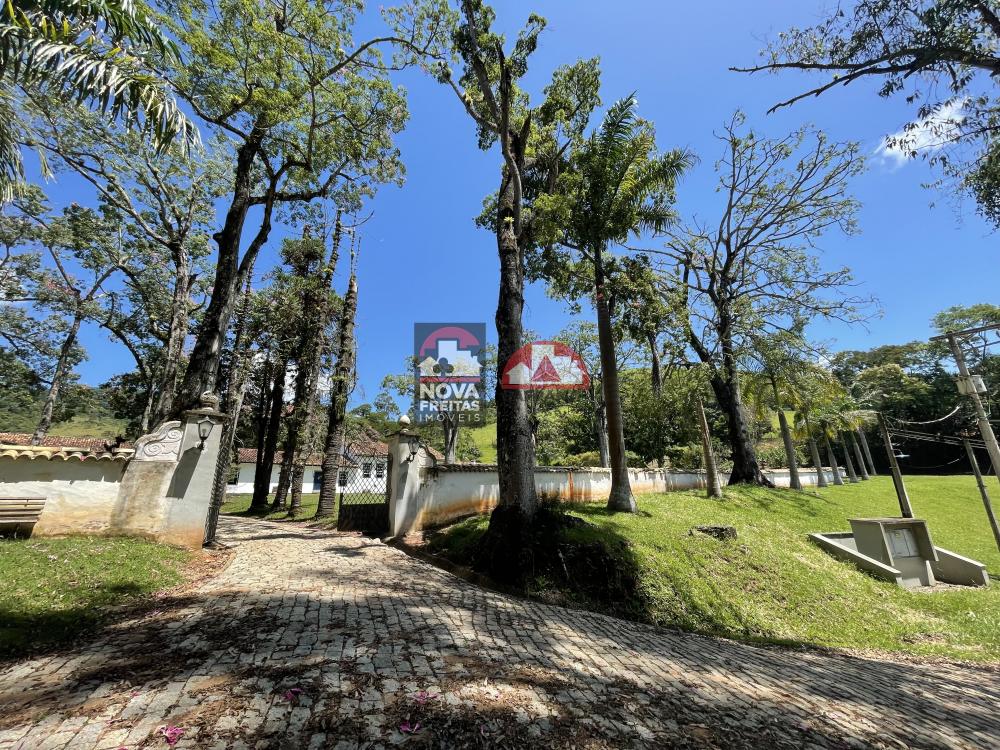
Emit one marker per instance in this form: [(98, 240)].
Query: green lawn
[(239, 505), (773, 585), (53, 589)]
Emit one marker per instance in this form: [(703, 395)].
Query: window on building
[(380, 470), (366, 469), (317, 480), (342, 479)]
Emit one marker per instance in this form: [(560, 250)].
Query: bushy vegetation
[(771, 584)]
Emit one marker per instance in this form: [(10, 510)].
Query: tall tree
[(33, 340), (488, 88), (308, 299), (616, 184), (85, 238), (942, 54), (307, 111), (341, 386), (756, 272), (165, 205)]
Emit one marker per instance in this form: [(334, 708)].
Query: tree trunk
[(62, 369), (296, 475), (711, 468), (601, 430), (786, 437), (817, 462), (621, 498), (203, 367), (284, 472), (167, 386), (858, 455), (746, 470), (814, 455), (235, 391), (867, 451), (340, 391), (655, 374), (834, 466), (265, 460), (848, 462), (261, 413), (515, 448), (147, 410), (450, 426)]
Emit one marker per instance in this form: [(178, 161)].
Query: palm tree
[(617, 184), (102, 52)]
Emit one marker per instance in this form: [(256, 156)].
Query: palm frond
[(78, 49)]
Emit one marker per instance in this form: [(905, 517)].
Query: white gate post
[(407, 457)]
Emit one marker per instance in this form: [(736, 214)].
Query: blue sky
[(423, 259)]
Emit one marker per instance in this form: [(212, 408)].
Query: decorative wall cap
[(163, 444), (65, 453), (210, 400)]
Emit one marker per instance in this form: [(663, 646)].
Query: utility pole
[(968, 387), (982, 490), (897, 476)]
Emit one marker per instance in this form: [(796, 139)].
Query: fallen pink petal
[(407, 728), (171, 734)]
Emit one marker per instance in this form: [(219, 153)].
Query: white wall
[(355, 480), (426, 495), (80, 496)]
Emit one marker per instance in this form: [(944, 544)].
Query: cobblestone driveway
[(312, 639)]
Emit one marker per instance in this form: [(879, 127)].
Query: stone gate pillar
[(407, 458), (167, 487)]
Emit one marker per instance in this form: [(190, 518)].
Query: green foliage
[(56, 589), (107, 53), (659, 426), (294, 88)]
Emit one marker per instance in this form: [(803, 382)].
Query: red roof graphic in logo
[(543, 365)]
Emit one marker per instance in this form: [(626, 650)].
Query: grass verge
[(772, 585), (239, 505), (56, 588)]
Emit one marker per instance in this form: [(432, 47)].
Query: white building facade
[(359, 473)]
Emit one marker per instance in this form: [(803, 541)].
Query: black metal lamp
[(413, 442), (205, 426)]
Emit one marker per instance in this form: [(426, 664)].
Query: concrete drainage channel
[(900, 550)]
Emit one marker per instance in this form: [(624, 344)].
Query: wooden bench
[(18, 512)]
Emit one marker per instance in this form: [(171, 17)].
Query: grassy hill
[(485, 439), (772, 584)]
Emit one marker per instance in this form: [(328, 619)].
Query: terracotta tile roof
[(369, 443), (18, 445), (95, 444), (249, 456)]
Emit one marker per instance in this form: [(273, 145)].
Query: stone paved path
[(312, 639)]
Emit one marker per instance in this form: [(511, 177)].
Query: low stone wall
[(426, 494), (80, 493)]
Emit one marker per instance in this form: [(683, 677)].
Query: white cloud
[(926, 135)]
